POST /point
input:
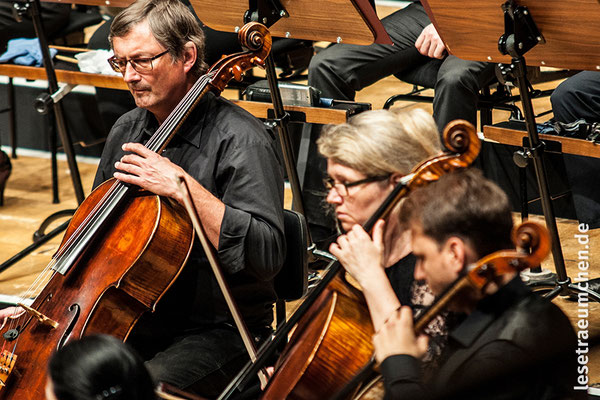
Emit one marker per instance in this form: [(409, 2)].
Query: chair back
[(291, 283)]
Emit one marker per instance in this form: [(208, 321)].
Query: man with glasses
[(230, 164)]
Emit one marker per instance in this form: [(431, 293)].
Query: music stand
[(550, 33), (341, 21)]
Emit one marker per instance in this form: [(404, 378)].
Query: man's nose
[(130, 75), (419, 272)]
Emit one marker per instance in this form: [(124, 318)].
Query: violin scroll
[(534, 239), (532, 243)]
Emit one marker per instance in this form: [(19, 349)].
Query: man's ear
[(190, 53), (455, 249)]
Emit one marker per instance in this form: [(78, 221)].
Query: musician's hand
[(397, 336), (10, 312), (360, 255), (430, 44), (148, 170)]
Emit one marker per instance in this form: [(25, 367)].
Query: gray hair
[(171, 23), (381, 142)]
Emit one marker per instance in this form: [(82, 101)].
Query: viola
[(532, 242), (122, 250)]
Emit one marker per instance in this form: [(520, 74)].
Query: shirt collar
[(190, 131), (487, 311)]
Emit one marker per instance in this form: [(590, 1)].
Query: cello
[(332, 336), (123, 249)]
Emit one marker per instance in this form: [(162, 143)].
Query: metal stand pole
[(58, 112), (521, 35)]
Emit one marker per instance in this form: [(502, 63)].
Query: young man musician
[(229, 162), (511, 344)]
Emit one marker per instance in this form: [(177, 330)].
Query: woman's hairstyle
[(462, 204), (381, 142), (99, 367), (171, 23)]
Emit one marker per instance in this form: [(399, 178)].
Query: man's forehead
[(138, 38)]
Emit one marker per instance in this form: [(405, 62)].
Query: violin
[(332, 336), (122, 250)]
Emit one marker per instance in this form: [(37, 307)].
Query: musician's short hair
[(462, 204), (171, 23), (380, 142)]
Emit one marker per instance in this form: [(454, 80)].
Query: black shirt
[(515, 345), (230, 153)]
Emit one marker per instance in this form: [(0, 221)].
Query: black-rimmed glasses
[(342, 187), (140, 64)]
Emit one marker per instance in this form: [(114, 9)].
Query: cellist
[(228, 160), (511, 344), (366, 158)]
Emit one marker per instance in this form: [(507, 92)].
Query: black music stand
[(350, 21), (549, 33)]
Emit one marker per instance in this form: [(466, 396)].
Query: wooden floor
[(28, 202)]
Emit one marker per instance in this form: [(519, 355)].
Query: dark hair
[(462, 204), (99, 367), (171, 23)]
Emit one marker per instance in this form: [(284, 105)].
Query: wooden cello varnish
[(329, 345), (121, 276)]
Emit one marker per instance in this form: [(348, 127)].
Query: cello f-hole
[(74, 308)]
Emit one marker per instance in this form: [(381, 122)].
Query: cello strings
[(157, 140)]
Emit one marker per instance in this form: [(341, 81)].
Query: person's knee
[(321, 65), (457, 80), (560, 96)]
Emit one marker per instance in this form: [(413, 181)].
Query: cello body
[(121, 275), (322, 353)]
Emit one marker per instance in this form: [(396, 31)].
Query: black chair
[(292, 281)]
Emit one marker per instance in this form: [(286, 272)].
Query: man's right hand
[(430, 44)]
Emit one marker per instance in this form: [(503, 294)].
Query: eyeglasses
[(139, 64), (342, 187)]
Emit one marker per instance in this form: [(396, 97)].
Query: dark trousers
[(202, 362), (342, 69), (579, 97)]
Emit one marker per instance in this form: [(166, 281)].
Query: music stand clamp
[(521, 35)]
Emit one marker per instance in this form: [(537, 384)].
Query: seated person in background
[(98, 367), (576, 98), (512, 344), (366, 157), (229, 162), (418, 51), (55, 17)]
